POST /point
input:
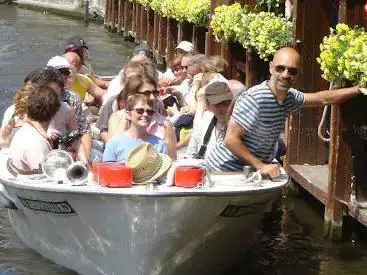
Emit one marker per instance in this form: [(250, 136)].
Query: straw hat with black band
[(147, 164)]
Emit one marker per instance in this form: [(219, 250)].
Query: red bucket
[(189, 176), (112, 174)]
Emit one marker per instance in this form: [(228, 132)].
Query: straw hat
[(147, 163)]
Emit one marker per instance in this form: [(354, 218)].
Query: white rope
[(319, 128)]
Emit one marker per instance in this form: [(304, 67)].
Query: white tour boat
[(143, 229)]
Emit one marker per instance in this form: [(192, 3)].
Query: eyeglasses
[(282, 68), (141, 111), (147, 92), (65, 72)]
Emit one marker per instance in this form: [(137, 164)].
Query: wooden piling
[(120, 18), (150, 28), (127, 17), (107, 13), (172, 32)]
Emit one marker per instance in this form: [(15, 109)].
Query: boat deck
[(314, 179)]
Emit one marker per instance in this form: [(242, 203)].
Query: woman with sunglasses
[(139, 113), (159, 125)]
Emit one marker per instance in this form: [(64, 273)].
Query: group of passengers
[(190, 111)]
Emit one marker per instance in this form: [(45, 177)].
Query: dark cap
[(141, 49), (75, 42)]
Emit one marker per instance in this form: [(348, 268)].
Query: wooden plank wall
[(313, 19)]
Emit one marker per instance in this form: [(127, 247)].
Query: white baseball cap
[(185, 46), (59, 62)]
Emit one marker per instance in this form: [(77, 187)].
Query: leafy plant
[(226, 21), (276, 6), (268, 33), (344, 55), (264, 31)]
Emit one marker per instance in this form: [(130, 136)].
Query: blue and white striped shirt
[(262, 117)]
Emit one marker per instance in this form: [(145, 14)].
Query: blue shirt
[(118, 148), (262, 117)]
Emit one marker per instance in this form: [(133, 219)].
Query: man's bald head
[(74, 59), (287, 54), (284, 69)]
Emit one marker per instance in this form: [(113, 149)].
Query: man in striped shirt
[(260, 113)]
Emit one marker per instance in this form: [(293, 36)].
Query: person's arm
[(234, 142), (329, 97), (116, 124), (72, 124), (194, 143), (96, 91), (184, 142), (86, 141), (170, 139)]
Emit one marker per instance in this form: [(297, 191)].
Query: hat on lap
[(147, 164)]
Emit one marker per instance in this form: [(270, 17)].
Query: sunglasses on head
[(282, 68), (141, 111)]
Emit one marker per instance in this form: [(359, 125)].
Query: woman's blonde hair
[(21, 99), (20, 105)]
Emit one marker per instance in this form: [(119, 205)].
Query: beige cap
[(217, 92)]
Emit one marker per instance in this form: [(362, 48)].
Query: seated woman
[(18, 117), (159, 125), (139, 113), (31, 144)]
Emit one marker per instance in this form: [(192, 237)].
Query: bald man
[(259, 116)]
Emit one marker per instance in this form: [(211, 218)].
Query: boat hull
[(132, 234)]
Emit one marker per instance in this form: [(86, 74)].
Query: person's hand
[(173, 110), (54, 135), (270, 170), (363, 90)]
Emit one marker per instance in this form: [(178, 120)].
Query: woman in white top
[(31, 144)]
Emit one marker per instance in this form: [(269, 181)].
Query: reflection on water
[(291, 241)]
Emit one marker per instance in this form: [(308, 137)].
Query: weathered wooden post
[(86, 11), (107, 13), (172, 32), (150, 28), (162, 39), (120, 15), (127, 17)]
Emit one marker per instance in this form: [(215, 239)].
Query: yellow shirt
[(81, 85)]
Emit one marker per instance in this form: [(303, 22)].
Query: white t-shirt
[(114, 87), (198, 134), (28, 148)]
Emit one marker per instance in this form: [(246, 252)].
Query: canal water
[(290, 241)]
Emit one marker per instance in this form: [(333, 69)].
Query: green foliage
[(264, 31), (276, 6), (268, 33), (144, 3), (344, 55), (226, 21), (156, 5), (194, 11)]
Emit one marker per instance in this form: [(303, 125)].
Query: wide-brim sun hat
[(147, 164)]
